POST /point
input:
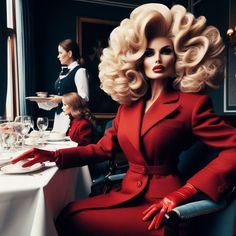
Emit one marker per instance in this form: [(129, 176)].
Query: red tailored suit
[(80, 131), (152, 143)]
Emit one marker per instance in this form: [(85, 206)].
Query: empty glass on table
[(22, 126), (42, 124), (4, 129)]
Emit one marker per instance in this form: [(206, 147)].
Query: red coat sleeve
[(220, 174), (92, 153)]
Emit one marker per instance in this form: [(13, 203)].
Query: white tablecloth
[(29, 203)]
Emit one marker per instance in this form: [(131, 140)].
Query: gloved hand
[(167, 204), (38, 156)]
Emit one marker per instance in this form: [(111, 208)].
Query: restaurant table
[(30, 202)]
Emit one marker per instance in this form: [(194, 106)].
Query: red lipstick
[(158, 68)]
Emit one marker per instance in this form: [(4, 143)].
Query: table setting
[(20, 135), (30, 191)]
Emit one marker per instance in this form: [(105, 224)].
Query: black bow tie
[(64, 71)]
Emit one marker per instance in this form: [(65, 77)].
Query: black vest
[(65, 85)]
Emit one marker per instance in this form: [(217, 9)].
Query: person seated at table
[(82, 122)]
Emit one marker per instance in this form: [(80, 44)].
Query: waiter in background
[(73, 78)]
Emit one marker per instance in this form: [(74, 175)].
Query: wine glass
[(22, 126), (3, 125), (9, 137), (42, 124)]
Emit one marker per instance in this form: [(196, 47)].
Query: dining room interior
[(29, 37)]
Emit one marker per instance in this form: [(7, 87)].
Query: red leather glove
[(38, 156), (167, 204)]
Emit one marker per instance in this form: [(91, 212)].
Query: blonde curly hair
[(198, 50)]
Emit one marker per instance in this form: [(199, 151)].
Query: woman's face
[(64, 57), (159, 59), (66, 108)]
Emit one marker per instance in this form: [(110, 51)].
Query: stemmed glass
[(42, 124), (3, 122), (22, 126), (10, 137)]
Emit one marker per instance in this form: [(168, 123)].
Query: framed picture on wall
[(230, 81), (93, 35)]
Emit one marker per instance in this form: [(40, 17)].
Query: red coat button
[(139, 183)]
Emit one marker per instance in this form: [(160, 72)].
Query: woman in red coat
[(156, 63), (82, 124)]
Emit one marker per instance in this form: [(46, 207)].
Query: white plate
[(56, 139), (18, 169), (31, 142), (38, 99)]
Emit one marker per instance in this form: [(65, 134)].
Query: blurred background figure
[(72, 78), (82, 122)]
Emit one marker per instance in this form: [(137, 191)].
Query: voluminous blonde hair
[(198, 49)]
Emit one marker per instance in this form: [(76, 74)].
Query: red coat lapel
[(132, 123), (165, 105)]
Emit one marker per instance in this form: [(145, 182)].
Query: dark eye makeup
[(149, 52), (167, 50)]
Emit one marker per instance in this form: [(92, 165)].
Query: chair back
[(195, 158)]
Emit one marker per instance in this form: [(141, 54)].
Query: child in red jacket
[(82, 122)]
